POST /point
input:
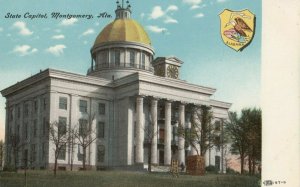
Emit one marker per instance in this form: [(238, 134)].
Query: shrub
[(211, 169), (231, 171), (9, 168)]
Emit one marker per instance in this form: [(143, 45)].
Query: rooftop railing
[(120, 65)]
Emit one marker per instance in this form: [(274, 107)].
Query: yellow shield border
[(236, 45)]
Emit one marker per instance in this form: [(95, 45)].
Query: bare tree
[(201, 135), (72, 143), (150, 133), (59, 136), (85, 135)]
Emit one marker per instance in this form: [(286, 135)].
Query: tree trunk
[(55, 164), (15, 158), (72, 154), (249, 165), (253, 166), (83, 159), (242, 163), (149, 158)]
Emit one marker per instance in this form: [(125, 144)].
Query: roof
[(127, 30)]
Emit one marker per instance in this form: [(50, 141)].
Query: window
[(44, 103), (34, 128), (131, 58), (44, 126), (101, 127), (62, 126), (11, 115), (101, 108), (62, 153), (217, 126), (26, 110), (33, 153), (19, 112), (25, 156), (63, 102), (100, 153), (103, 57), (143, 61), (83, 106), (112, 56), (35, 104), (80, 153), (25, 130), (218, 142), (83, 126), (43, 151), (18, 130), (134, 129), (217, 162), (117, 57)]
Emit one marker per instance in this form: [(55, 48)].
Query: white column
[(197, 147), (167, 141), (139, 153), (181, 149), (155, 131)]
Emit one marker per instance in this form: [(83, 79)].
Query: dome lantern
[(122, 12)]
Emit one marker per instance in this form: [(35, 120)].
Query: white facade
[(133, 97)]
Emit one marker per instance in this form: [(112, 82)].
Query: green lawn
[(122, 178)]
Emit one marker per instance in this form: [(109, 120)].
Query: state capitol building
[(127, 89)]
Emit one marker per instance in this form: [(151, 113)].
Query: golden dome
[(126, 30)]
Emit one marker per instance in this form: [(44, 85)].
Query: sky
[(187, 29)]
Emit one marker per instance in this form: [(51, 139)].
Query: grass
[(122, 178)]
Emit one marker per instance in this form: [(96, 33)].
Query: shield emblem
[(237, 28)]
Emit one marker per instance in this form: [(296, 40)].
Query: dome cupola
[(123, 47)]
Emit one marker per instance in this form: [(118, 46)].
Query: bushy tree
[(245, 135)]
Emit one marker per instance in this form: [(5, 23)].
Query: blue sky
[(187, 29)]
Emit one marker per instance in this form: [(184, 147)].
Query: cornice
[(220, 104), (57, 74), (164, 81)]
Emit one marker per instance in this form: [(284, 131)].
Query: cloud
[(24, 50), (58, 37), (195, 4), (88, 32), (156, 29), (23, 30), (170, 20), (200, 15), (172, 8), (221, 1), (192, 2), (157, 12), (193, 7), (56, 50), (68, 22)]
